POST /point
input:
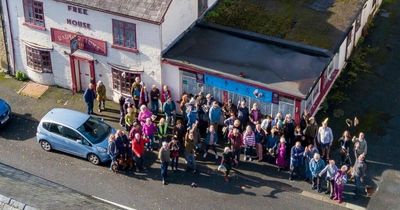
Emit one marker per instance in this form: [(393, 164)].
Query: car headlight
[(101, 149)]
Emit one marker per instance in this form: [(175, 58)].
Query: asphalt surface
[(144, 191)]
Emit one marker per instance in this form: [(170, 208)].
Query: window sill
[(125, 48), (38, 71), (30, 25)]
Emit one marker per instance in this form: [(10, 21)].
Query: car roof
[(68, 117)]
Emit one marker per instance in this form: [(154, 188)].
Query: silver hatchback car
[(75, 133)]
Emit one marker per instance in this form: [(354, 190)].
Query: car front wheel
[(94, 159), (46, 146)]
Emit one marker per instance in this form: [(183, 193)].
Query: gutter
[(5, 39), (12, 41)]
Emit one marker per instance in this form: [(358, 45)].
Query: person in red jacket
[(235, 140), (138, 150)]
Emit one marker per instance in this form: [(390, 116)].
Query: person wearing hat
[(311, 130), (325, 138)]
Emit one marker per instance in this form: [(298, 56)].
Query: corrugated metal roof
[(148, 10)]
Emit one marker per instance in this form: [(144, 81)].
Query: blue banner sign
[(238, 88)]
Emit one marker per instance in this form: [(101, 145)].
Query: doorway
[(82, 72)]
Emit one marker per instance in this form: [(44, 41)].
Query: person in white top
[(325, 138)]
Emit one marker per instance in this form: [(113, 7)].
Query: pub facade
[(69, 43)]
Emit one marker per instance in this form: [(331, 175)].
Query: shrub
[(21, 76)]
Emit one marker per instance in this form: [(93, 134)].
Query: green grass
[(287, 19)]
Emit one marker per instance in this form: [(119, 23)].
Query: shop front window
[(38, 60)]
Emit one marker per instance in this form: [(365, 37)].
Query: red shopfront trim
[(85, 43)]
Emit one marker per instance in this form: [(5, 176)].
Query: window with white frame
[(124, 34), (38, 60), (316, 91)]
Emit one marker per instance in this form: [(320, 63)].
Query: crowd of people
[(304, 149)]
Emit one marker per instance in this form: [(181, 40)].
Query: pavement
[(21, 190)]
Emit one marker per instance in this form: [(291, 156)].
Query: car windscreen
[(94, 130)]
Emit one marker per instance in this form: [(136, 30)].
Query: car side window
[(46, 125), (54, 128), (69, 133)]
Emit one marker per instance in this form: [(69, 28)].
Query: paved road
[(144, 191)]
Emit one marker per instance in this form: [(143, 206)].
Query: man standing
[(296, 160), (325, 138), (101, 95), (360, 145), (316, 166), (89, 97), (164, 156), (155, 96), (235, 140), (359, 169)]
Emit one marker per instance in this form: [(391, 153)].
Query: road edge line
[(327, 200), (113, 203)]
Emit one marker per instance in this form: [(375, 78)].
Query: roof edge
[(304, 48), (114, 13)]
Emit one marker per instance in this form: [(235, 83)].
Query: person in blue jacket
[(191, 116), (316, 166), (169, 110), (215, 114), (296, 159), (89, 96)]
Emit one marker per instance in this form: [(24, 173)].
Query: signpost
[(74, 44)]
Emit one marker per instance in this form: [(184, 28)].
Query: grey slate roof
[(149, 10), (276, 65)]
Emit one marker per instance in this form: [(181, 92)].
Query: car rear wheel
[(46, 146), (94, 159)]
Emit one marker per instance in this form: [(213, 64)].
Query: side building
[(116, 40), (289, 72)]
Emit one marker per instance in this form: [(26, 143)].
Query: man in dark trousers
[(89, 96)]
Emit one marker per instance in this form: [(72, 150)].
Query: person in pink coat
[(144, 114), (281, 154), (149, 129)]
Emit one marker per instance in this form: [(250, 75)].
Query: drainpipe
[(12, 42), (5, 38)]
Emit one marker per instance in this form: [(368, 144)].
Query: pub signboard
[(85, 43)]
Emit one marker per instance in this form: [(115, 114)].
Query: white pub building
[(117, 40)]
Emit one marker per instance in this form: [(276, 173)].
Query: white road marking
[(113, 203)]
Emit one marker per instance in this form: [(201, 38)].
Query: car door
[(57, 140), (75, 143)]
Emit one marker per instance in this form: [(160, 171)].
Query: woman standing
[(144, 114), (101, 95), (130, 118), (255, 114), (345, 144), (149, 129), (144, 96), (281, 154), (260, 139), (249, 142)]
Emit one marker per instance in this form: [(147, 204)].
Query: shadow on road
[(19, 128)]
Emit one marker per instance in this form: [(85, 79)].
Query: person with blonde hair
[(101, 95), (340, 180), (325, 138)]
